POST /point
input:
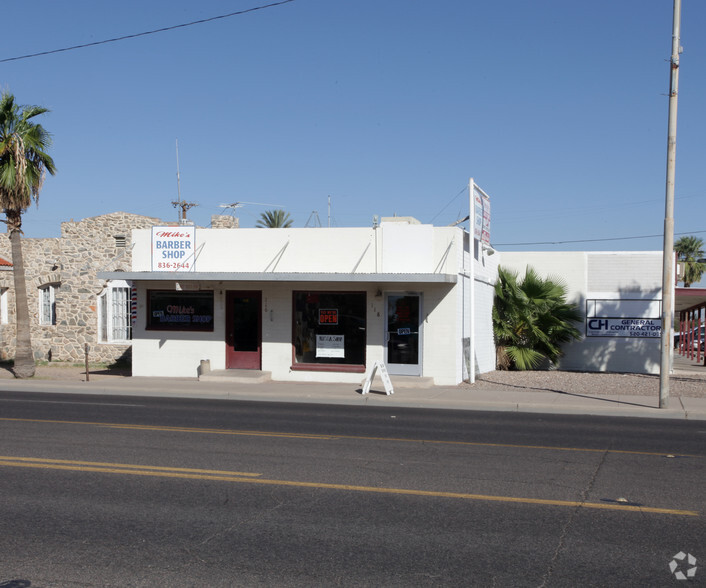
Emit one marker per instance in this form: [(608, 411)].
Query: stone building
[(69, 306)]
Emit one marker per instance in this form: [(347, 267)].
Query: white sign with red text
[(173, 249)]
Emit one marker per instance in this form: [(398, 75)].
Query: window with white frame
[(47, 305), (3, 306), (114, 316)]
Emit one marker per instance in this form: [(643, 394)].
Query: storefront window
[(329, 328), (169, 310)]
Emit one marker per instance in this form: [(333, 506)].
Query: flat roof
[(409, 278)]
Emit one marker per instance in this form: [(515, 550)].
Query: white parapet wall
[(394, 258)]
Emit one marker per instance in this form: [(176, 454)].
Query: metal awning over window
[(406, 278)]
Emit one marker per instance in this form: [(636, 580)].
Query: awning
[(688, 298), (409, 278)]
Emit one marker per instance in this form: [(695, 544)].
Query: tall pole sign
[(668, 250)]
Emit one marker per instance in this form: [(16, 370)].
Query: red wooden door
[(243, 330)]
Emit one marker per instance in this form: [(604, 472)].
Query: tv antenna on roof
[(235, 205), (181, 203), (313, 219)]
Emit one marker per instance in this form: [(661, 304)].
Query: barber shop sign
[(173, 249)]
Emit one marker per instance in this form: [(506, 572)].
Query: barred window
[(47, 305), (114, 313), (3, 306)]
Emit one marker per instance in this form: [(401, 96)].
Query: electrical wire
[(153, 32), (448, 204), (592, 240)]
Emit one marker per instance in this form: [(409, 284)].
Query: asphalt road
[(118, 491)]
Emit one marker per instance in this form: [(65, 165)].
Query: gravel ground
[(690, 385)]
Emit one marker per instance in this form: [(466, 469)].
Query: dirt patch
[(68, 372)]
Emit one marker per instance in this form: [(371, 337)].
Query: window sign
[(173, 249), (330, 346), (328, 316), (180, 311), (329, 328)]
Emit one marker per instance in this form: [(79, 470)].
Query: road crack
[(570, 520)]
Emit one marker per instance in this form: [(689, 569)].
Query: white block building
[(312, 304), (620, 295)]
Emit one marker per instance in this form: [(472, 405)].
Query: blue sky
[(557, 109)]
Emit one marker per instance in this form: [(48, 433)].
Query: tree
[(690, 250), (23, 166), (531, 319), (274, 219)]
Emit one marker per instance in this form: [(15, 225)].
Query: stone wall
[(224, 221), (70, 263)]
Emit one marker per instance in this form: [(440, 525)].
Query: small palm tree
[(274, 219), (689, 251), (531, 319), (23, 165)]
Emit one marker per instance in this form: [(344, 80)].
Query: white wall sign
[(623, 327), (173, 249), (330, 346)]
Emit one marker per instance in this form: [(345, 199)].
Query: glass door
[(403, 334)]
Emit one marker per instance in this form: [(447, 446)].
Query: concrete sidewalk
[(405, 395)]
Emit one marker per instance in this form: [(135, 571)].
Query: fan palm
[(689, 251), (531, 319), (274, 219), (23, 165)]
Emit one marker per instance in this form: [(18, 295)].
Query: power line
[(153, 32), (592, 240), (448, 204)]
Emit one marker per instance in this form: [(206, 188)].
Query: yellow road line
[(97, 464), (217, 475), (352, 437)]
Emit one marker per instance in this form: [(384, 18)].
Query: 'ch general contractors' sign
[(173, 249), (623, 327)]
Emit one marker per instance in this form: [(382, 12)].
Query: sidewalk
[(479, 396)]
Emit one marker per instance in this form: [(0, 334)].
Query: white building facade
[(619, 294), (312, 304)]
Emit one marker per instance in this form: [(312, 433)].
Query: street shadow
[(360, 391), (119, 372), (16, 584)]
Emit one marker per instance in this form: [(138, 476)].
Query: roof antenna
[(181, 203)]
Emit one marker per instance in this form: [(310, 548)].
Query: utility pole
[(181, 203), (668, 249)]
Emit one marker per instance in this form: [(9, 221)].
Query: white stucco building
[(619, 294), (313, 304)]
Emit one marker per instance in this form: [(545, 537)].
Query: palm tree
[(274, 219), (531, 319), (690, 250), (23, 165)]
